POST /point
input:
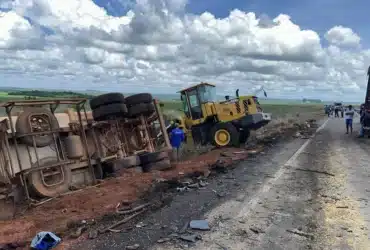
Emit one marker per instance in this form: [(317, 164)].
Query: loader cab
[(194, 97)]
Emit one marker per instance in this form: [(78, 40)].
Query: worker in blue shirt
[(177, 136)]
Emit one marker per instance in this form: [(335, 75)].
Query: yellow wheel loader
[(226, 123)]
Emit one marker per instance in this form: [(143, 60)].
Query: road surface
[(302, 194)]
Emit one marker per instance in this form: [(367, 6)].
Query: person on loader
[(177, 137)]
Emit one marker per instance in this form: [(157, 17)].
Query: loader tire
[(106, 99), (110, 111), (146, 109), (153, 157), (161, 165), (225, 134), (38, 186), (244, 135), (138, 98), (36, 120)]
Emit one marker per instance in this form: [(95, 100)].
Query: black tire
[(232, 131), (111, 111), (153, 157), (244, 135), (139, 98), (37, 185), (23, 126), (146, 109), (106, 99), (161, 165)]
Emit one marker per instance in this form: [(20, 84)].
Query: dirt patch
[(59, 215)]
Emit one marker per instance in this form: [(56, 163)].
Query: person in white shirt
[(348, 116)]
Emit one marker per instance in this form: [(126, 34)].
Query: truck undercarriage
[(44, 153)]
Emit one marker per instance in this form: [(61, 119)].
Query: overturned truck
[(45, 153)]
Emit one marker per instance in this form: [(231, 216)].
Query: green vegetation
[(48, 94)]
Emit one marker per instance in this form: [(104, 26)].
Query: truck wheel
[(36, 120), (106, 99), (146, 109), (110, 111), (153, 157), (225, 134), (52, 184), (161, 165), (244, 135), (139, 98)]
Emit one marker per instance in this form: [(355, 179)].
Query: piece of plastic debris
[(199, 224), (45, 241)]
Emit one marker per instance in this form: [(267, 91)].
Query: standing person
[(327, 110), (336, 111), (341, 111), (177, 136), (349, 113)]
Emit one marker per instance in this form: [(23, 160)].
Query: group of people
[(348, 115), (331, 110)]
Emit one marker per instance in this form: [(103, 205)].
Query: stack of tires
[(108, 106), (155, 161), (140, 104)]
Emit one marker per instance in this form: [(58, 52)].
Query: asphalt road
[(299, 194)]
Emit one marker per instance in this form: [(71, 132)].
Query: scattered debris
[(342, 206), (133, 247), (80, 230), (315, 171), (256, 230), (93, 234), (300, 233), (190, 238), (163, 240), (45, 241), (133, 210), (199, 224), (125, 220)]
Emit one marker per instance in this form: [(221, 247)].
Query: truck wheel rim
[(222, 137)]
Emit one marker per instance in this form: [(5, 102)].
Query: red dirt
[(94, 202)]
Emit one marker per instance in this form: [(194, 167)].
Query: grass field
[(5, 97)]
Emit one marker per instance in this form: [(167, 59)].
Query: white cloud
[(157, 46), (342, 36)]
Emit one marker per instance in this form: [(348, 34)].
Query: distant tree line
[(32, 94)]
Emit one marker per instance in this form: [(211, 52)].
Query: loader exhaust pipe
[(237, 93)]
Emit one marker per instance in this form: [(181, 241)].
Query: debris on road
[(163, 240), (45, 241), (199, 225), (256, 230), (300, 233), (190, 238), (133, 210), (125, 220), (314, 171), (133, 247), (342, 207)]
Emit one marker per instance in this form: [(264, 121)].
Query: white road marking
[(247, 207)]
